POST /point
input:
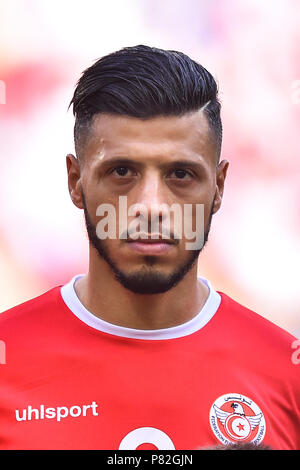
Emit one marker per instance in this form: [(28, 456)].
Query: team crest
[(236, 418)]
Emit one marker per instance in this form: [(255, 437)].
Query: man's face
[(154, 163)]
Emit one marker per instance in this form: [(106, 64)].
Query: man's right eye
[(121, 171)]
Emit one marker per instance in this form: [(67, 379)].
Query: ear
[(220, 181), (74, 181)]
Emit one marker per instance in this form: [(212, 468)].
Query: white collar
[(196, 323)]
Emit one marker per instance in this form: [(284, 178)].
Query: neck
[(107, 299)]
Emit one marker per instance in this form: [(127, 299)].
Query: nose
[(151, 200)]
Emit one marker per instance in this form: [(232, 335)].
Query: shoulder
[(254, 335), (242, 313), (30, 310)]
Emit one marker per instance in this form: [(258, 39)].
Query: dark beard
[(146, 280)]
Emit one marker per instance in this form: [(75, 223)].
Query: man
[(140, 352)]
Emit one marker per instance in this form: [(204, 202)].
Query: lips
[(151, 241), (151, 245)]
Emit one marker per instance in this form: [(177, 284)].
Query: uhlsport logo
[(236, 418)]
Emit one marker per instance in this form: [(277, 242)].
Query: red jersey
[(73, 381)]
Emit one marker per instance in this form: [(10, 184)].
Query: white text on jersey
[(58, 413)]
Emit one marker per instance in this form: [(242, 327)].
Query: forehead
[(163, 136)]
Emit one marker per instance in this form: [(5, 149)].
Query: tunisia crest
[(235, 418)]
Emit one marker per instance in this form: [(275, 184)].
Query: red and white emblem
[(235, 418)]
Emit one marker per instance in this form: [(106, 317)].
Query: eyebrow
[(115, 161)]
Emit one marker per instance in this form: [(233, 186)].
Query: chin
[(149, 281)]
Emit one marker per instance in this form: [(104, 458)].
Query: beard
[(147, 279)]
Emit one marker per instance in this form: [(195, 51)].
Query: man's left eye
[(122, 171), (181, 174)]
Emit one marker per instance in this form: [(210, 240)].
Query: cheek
[(197, 214), (100, 205)]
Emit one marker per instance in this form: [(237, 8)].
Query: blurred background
[(252, 49)]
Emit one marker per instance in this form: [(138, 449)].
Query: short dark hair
[(240, 446), (145, 82)]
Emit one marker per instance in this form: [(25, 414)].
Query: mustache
[(163, 234)]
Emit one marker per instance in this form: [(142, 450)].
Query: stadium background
[(252, 49)]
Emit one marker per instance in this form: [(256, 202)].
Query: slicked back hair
[(145, 82)]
